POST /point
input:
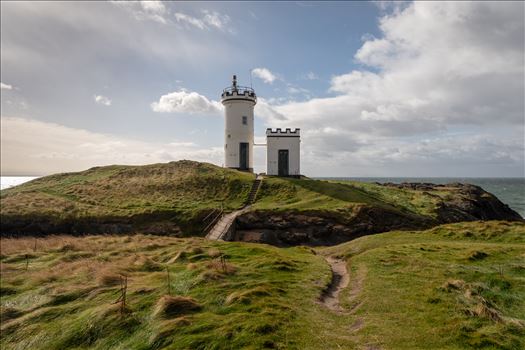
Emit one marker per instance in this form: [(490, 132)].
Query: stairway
[(224, 224), (253, 191)]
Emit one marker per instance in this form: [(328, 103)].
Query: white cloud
[(292, 89), (186, 19), (265, 111), (29, 144), (209, 20), (184, 101), (102, 100), (310, 76), (264, 74), (216, 19), (5, 86), (462, 69), (456, 69), (145, 10)]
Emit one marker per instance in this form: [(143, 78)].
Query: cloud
[(215, 19), (184, 101), (310, 76), (265, 111), (102, 100), (292, 89), (29, 144), (145, 10), (462, 69), (5, 86), (184, 18), (209, 20), (264, 74)]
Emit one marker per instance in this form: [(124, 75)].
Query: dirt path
[(340, 280)]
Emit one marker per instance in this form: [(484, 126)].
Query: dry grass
[(218, 266), (214, 253), (170, 306), (247, 296), (108, 279), (192, 266)]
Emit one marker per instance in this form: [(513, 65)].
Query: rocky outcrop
[(469, 203), (322, 227)]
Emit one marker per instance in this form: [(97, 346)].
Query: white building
[(283, 152), (283, 147), (238, 104)]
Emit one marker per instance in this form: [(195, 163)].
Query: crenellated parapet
[(281, 133)]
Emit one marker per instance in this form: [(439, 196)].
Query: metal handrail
[(238, 89), (214, 221)]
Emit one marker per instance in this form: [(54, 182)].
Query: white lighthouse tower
[(238, 102)]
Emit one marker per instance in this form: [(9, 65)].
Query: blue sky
[(378, 89)]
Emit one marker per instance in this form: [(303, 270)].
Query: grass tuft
[(170, 306)]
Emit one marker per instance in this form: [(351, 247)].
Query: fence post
[(169, 281)]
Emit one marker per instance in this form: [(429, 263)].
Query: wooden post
[(223, 263), (169, 281), (122, 297), (27, 261)]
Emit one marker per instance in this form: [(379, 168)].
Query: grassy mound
[(456, 286), (166, 197), (182, 198), (169, 306)]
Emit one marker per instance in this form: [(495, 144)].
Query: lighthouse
[(238, 102)]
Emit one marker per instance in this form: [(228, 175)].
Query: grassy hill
[(175, 198), (457, 286), (176, 194)]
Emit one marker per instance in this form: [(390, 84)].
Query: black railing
[(240, 90)]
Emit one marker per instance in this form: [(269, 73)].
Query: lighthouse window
[(244, 120)]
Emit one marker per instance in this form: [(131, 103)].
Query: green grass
[(457, 286), (183, 190), (180, 194), (307, 194), (64, 299)]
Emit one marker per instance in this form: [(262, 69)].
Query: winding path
[(340, 280)]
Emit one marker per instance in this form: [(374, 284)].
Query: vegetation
[(454, 286), (59, 293), (183, 192), (179, 198), (307, 194)]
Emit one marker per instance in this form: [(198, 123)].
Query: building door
[(282, 165), (243, 156)]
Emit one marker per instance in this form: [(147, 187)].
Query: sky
[(382, 89)]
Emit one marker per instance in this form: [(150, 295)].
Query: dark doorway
[(243, 156), (283, 162)]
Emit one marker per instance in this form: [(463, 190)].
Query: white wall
[(236, 132), (285, 142)]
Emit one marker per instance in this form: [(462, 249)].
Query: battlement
[(238, 92), (279, 132)]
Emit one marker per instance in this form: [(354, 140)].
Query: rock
[(468, 203)]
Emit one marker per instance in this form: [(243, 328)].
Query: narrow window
[(244, 120)]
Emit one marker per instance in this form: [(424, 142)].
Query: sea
[(510, 191)]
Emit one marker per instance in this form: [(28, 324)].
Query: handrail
[(238, 88), (214, 221), (209, 214)]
